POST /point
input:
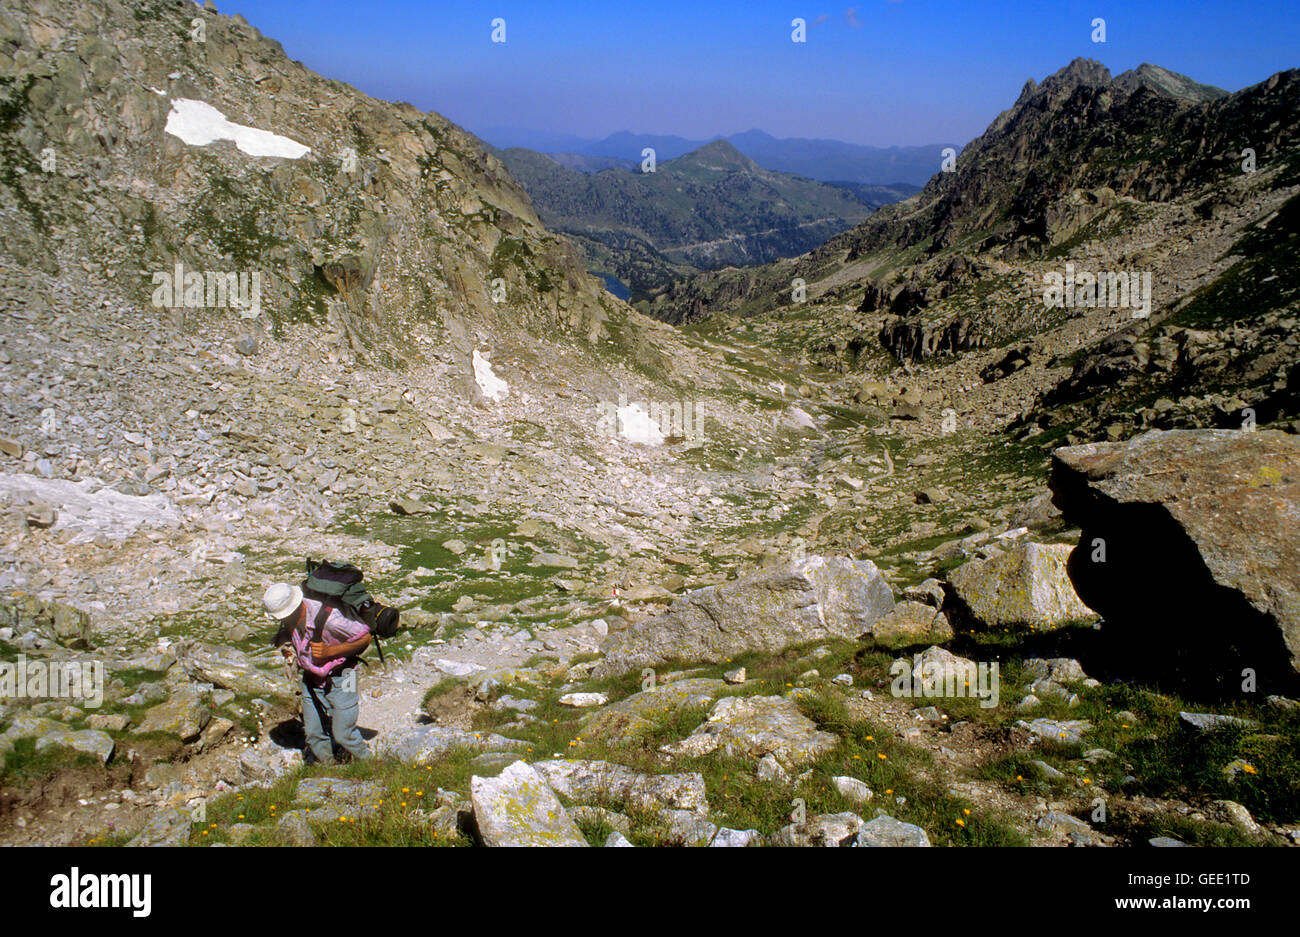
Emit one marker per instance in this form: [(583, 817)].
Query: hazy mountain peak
[(719, 154)]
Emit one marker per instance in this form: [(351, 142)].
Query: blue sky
[(879, 72)]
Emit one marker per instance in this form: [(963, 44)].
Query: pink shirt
[(338, 629)]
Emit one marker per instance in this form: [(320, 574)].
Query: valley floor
[(515, 535)]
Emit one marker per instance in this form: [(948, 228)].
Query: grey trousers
[(340, 707)]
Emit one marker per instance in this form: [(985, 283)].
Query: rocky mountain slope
[(706, 209), (393, 221)]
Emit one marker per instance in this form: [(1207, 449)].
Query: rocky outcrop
[(916, 340), (816, 598), (1188, 544), (1026, 587), (423, 743), (169, 828), (183, 714), (825, 829)]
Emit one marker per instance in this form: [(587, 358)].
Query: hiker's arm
[(320, 652)]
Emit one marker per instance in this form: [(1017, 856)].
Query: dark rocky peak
[(1079, 72)]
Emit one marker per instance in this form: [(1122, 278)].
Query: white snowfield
[(87, 509), (199, 124), (635, 425), (493, 387)]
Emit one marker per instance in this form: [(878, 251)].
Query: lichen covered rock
[(518, 808)]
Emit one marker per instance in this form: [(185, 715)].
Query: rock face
[(1210, 516), (817, 598), (518, 808), (755, 726), (1027, 587)]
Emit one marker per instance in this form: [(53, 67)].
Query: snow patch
[(493, 387), (199, 124), (635, 425), (87, 509)]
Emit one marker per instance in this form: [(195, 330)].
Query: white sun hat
[(281, 600)]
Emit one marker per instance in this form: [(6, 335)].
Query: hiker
[(325, 644)]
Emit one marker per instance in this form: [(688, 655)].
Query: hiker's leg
[(313, 725), (344, 705)]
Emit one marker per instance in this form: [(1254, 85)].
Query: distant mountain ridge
[(823, 160), (706, 209)]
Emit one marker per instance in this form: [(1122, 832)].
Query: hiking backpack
[(342, 586)]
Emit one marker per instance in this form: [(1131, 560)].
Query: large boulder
[(518, 808), (1189, 547), (808, 600), (1026, 587)]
